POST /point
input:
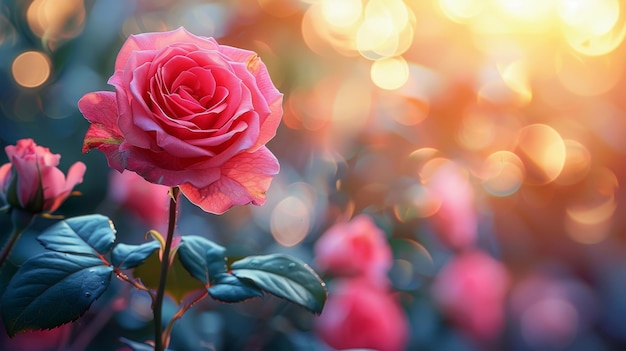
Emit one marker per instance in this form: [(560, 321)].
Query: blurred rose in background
[(148, 202), (471, 290), (362, 314), (357, 248), (456, 219)]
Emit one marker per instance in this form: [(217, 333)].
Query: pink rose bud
[(31, 180), (362, 315), (147, 201), (471, 290), (355, 248), (191, 113)]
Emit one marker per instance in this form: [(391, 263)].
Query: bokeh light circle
[(31, 69), (290, 221), (589, 214), (542, 150), (390, 73), (577, 163), (502, 173)]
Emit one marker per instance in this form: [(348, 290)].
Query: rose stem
[(21, 220), (180, 313), (165, 264)]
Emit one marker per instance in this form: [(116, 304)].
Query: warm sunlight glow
[(530, 10), (341, 13), (390, 73), (590, 76), (461, 10), (593, 17), (592, 27), (515, 76)]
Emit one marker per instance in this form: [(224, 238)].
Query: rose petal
[(245, 179), (237, 54), (270, 124), (54, 185), (240, 137), (179, 170), (28, 179), (154, 41), (61, 187), (174, 67), (100, 108), (26, 149), (264, 94), (5, 177)]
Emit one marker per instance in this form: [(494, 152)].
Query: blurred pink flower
[(191, 113), (32, 181), (362, 314), (471, 290), (148, 201), (43, 340), (355, 248), (456, 219), (551, 310)]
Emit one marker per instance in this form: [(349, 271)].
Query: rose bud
[(31, 180)]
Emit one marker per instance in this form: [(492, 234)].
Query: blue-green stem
[(165, 265)]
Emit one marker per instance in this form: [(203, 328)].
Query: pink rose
[(456, 220), (32, 181), (551, 310), (471, 290), (359, 314), (189, 112), (148, 201), (355, 248)]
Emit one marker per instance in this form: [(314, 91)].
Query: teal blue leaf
[(86, 235), (202, 258), (229, 288), (126, 256), (285, 277), (52, 289)]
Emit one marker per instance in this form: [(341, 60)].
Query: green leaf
[(229, 288), (88, 235), (202, 258), (52, 289), (179, 281), (285, 277), (126, 256)]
